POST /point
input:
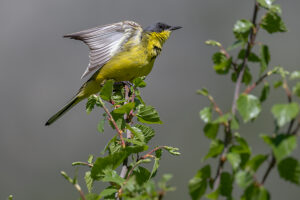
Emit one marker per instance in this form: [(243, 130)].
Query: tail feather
[(66, 108)]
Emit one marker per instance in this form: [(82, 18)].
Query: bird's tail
[(66, 108)]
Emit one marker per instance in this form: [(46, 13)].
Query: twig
[(216, 107), (250, 44), (78, 188), (228, 134), (270, 167), (251, 87), (120, 132)]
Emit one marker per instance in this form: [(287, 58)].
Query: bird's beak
[(172, 28)]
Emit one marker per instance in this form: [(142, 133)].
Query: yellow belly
[(126, 66)]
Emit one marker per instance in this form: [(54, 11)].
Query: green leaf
[(289, 170), (90, 104), (213, 43), (234, 159), (147, 131), (278, 84), (295, 75), (222, 64), (235, 45), (90, 159), (113, 160), (284, 113), (265, 92), (125, 109), (216, 148), (296, 89), (247, 77), (265, 3), (112, 176), (226, 182), (234, 125), (213, 195), (88, 181), (203, 92), (272, 23), (141, 174), (65, 175), (138, 134), (119, 119), (155, 167), (254, 192), (206, 114), (211, 130), (10, 197), (108, 192), (265, 58), (282, 145), (243, 178), (256, 162), (148, 115), (242, 29), (92, 197), (134, 141), (248, 106), (139, 82), (172, 150), (198, 184), (107, 90), (223, 119), (252, 56), (100, 126)]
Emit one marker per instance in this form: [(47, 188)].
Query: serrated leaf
[(133, 141), (119, 119), (100, 126), (138, 134), (235, 45), (155, 167), (296, 89), (90, 104), (203, 92), (113, 160), (284, 113), (272, 23), (226, 182), (282, 145), (148, 115), (247, 77), (295, 75), (243, 178), (256, 162), (222, 64), (211, 130), (107, 192), (265, 92), (213, 43), (242, 29), (92, 197), (141, 174), (88, 181), (289, 170), (106, 90), (112, 176), (125, 109), (255, 192), (252, 57), (215, 149), (206, 114), (147, 131), (198, 184), (139, 82), (248, 106), (265, 58)]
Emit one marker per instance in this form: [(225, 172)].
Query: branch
[(270, 167), (250, 44), (110, 118), (228, 134), (251, 87)]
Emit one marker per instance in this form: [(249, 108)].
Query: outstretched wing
[(106, 41)]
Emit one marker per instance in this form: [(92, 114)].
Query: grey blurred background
[(40, 71)]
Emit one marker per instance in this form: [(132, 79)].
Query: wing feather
[(106, 41)]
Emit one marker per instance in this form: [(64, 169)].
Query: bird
[(120, 51)]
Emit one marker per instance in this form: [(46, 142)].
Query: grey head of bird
[(160, 26)]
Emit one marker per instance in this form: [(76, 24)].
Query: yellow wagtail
[(121, 51)]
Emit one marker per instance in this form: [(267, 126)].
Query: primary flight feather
[(121, 51)]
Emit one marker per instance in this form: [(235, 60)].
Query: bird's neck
[(154, 42)]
